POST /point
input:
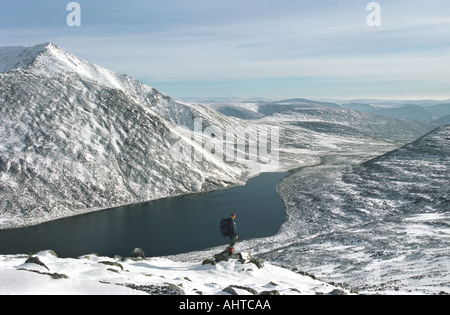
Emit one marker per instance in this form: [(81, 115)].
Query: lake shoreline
[(265, 180)]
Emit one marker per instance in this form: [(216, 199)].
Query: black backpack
[(225, 227)]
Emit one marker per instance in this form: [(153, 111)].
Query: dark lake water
[(162, 227)]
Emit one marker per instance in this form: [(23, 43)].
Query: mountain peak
[(19, 56), (48, 59)]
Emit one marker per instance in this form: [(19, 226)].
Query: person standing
[(233, 233)]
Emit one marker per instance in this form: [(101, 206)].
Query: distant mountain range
[(429, 111), (422, 113)]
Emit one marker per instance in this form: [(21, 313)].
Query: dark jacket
[(233, 227)]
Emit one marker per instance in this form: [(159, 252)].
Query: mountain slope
[(443, 121), (421, 111), (412, 112), (380, 226), (48, 60), (75, 137)]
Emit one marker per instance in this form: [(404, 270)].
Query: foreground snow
[(91, 274)]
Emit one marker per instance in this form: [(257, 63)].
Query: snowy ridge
[(19, 56), (76, 137), (50, 59), (47, 274)]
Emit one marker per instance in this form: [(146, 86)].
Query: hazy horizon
[(256, 48)]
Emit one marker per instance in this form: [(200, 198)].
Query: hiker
[(228, 228), (233, 233)]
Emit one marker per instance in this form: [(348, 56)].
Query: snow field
[(91, 274)]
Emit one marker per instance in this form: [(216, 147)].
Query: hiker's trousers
[(233, 240)]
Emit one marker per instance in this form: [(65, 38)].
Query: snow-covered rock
[(91, 274)]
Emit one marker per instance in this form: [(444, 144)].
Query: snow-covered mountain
[(75, 137)]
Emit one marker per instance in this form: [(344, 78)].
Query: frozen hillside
[(18, 57), (421, 111), (75, 137), (45, 273), (380, 226), (418, 111), (443, 121)]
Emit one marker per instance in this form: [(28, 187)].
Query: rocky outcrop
[(168, 289), (138, 253), (243, 258)]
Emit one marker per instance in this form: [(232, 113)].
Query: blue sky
[(252, 48)]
